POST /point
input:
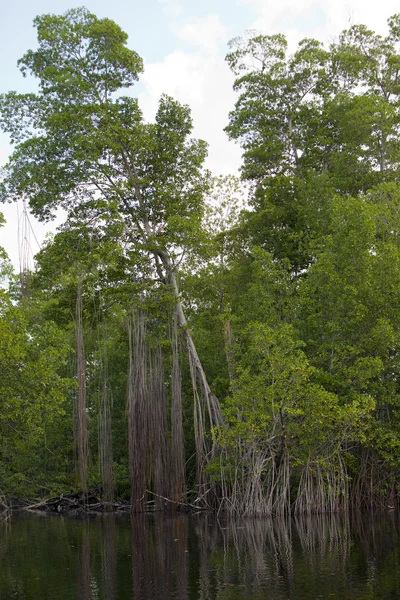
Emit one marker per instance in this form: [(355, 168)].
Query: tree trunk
[(137, 411), (177, 445), (81, 414), (158, 431), (205, 402), (105, 445)]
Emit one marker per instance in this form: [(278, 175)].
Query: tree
[(82, 148), (34, 393), (319, 130), (312, 124), (348, 316)]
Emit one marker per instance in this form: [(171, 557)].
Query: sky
[(183, 44)]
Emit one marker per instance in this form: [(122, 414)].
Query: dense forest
[(191, 338)]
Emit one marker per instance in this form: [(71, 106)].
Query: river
[(190, 557)]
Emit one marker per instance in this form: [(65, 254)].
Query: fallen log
[(76, 503)]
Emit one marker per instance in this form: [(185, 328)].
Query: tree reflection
[(178, 557), (267, 558), (109, 557), (160, 557), (84, 573)]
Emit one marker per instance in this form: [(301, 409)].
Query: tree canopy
[(173, 337)]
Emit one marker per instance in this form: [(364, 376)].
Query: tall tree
[(311, 124), (82, 148)]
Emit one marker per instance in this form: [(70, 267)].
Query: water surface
[(199, 557)]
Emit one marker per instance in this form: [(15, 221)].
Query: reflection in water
[(323, 533), (109, 558), (254, 555), (5, 528), (160, 557), (325, 541), (141, 578), (302, 558), (182, 557), (84, 576), (207, 534)]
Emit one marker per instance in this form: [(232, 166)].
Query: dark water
[(199, 557)]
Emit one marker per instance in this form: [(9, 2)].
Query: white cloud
[(205, 33), (180, 75), (322, 20), (201, 79)]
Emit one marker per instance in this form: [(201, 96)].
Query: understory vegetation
[(187, 338)]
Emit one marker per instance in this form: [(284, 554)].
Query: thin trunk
[(291, 142), (177, 442), (212, 404), (158, 429), (163, 262), (229, 353), (199, 428), (85, 591), (382, 160), (81, 412), (105, 443), (137, 411), (206, 401)]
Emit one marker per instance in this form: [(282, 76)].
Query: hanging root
[(105, 445), (255, 474), (178, 492), (138, 411), (105, 424), (323, 487), (374, 484), (256, 478), (157, 424), (81, 427)]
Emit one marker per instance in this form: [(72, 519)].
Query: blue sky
[(146, 22), (183, 43)]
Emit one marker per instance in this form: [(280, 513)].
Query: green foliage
[(312, 124), (34, 393), (292, 297)]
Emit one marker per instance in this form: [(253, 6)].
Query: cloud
[(201, 79), (198, 77), (180, 75), (205, 33), (322, 20)]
